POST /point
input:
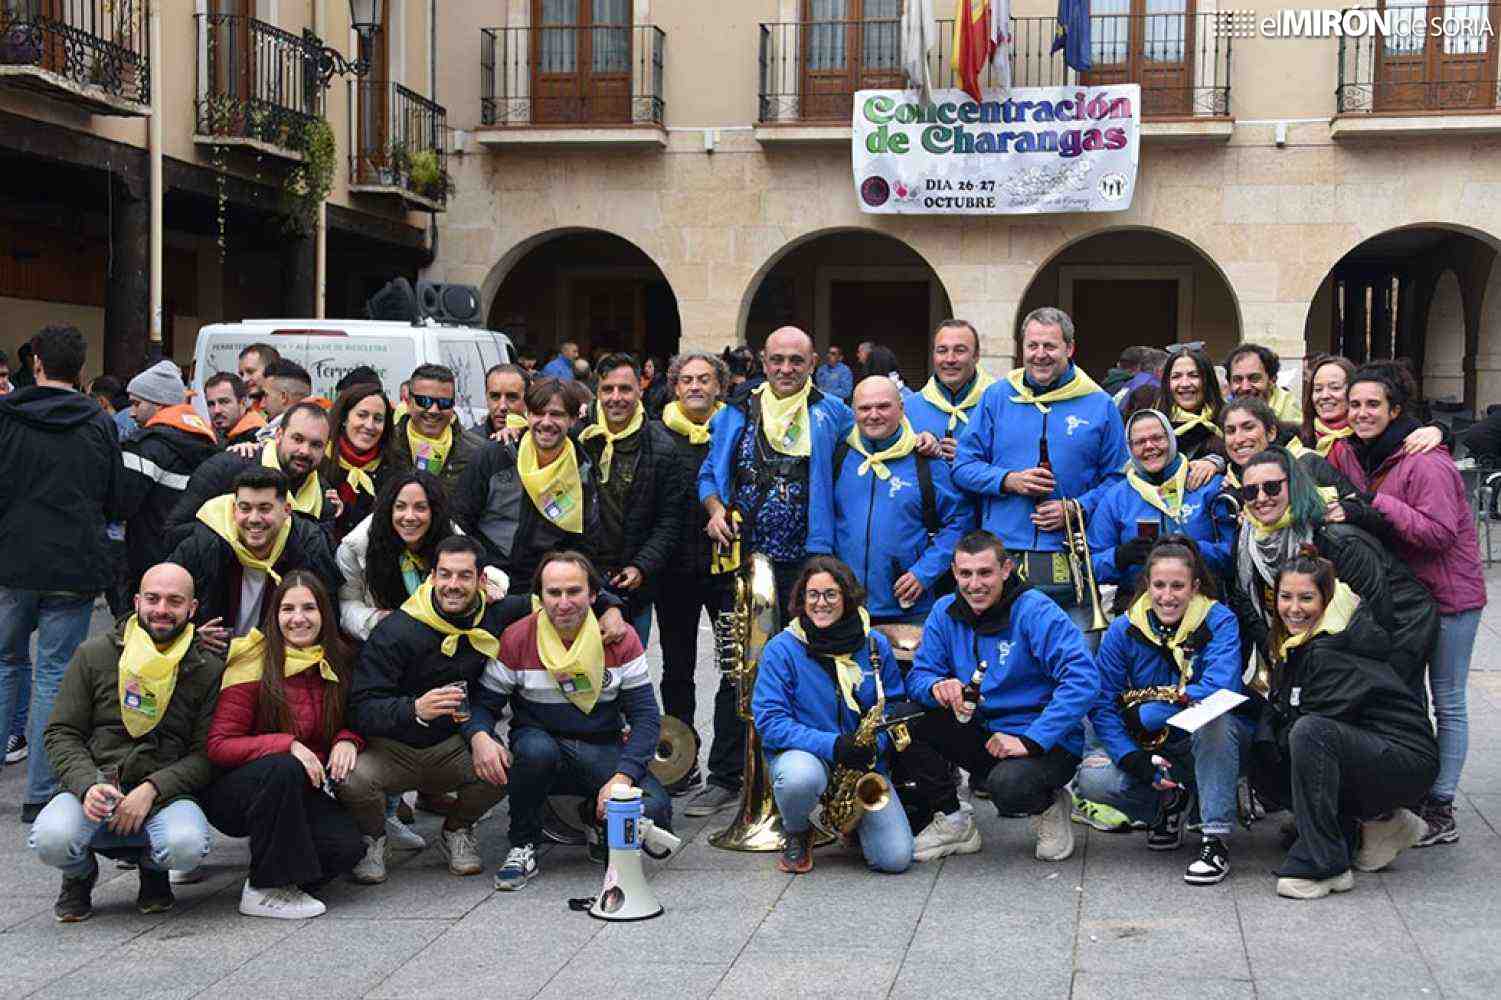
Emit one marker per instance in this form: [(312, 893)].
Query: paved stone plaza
[(1113, 921)]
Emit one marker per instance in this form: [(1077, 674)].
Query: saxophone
[(852, 793), (1169, 694)]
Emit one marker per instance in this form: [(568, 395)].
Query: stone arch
[(1444, 342)]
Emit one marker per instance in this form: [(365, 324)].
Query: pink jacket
[(1423, 497)]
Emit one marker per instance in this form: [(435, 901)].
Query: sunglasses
[(427, 402), (1272, 488)]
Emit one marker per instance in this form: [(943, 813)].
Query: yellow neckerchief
[(147, 676), (1198, 609), (1326, 435), (726, 559), (579, 669), (933, 392), (680, 423), (787, 423), (601, 429), (846, 669), (218, 514), (1080, 385), (1184, 421), (1167, 497), (558, 490), (420, 606), (906, 442), (516, 422), (429, 454), (247, 661), (1296, 449), (309, 496), (1263, 530), (1336, 619), (358, 476)]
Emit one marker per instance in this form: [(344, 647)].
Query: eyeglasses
[(427, 402), (1272, 488), (823, 596)]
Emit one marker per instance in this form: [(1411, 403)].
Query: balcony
[(401, 148), (810, 71), (92, 54), (258, 85), (572, 85), (1407, 78)]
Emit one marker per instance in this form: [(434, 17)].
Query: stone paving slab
[(1115, 920)]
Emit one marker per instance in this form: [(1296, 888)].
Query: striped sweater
[(518, 677)]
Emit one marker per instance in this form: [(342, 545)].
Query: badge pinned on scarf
[(424, 456), (576, 684), (556, 505), (794, 431), (138, 699)]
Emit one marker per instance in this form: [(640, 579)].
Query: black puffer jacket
[(62, 481), (654, 507), (216, 570), (695, 548), (1396, 600), (216, 477), (334, 474), (160, 460)]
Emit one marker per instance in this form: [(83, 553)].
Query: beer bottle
[(970, 699), (1043, 461)]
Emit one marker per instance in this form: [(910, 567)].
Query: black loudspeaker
[(395, 301), (446, 303)]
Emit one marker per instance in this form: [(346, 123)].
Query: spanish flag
[(974, 44)]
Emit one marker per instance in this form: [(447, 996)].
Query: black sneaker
[(1441, 826), (15, 749), (599, 848), (76, 900), (558, 830), (1212, 865), (687, 783), (155, 894), (31, 810), (1166, 833)]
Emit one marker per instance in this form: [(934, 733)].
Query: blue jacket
[(924, 416), (1086, 445), (836, 380), (797, 704), (879, 530), (1128, 659), (559, 367), (1114, 518), (1039, 681), (831, 421)]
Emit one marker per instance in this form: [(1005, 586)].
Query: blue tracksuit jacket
[(1120, 507)]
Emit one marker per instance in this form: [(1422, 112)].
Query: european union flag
[(1072, 34)]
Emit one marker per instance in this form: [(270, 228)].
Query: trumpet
[(1081, 564)]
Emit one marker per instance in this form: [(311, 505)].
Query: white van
[(330, 348)]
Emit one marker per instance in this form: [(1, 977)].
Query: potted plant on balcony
[(21, 45), (428, 178)]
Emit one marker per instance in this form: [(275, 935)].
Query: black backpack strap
[(841, 452), (930, 520)]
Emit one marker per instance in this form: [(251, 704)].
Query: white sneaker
[(178, 876), (402, 837), (462, 850), (945, 835), (372, 867), (1315, 888), (284, 903), (1381, 840), (1055, 834)]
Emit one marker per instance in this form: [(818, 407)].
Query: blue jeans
[(543, 764), (1209, 760), (1448, 676), (798, 779), (23, 705), (176, 836), (61, 622)]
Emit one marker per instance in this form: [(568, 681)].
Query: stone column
[(127, 290), (299, 277)]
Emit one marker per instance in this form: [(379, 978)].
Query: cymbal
[(904, 640), (677, 751)]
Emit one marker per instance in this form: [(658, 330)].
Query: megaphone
[(625, 894)]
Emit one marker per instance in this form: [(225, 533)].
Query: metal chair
[(1481, 491)]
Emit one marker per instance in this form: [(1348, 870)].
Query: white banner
[(1033, 150)]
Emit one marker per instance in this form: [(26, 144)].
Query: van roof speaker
[(395, 301), (459, 304)]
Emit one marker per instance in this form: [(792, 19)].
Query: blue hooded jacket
[(831, 421), (797, 704), (1128, 659), (1115, 516), (1086, 446), (880, 534), (1039, 679)]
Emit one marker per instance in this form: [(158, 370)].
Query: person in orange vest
[(228, 402)]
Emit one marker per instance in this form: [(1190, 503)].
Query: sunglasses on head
[(1272, 488), (425, 402)]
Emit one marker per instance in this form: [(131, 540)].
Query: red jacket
[(233, 740)]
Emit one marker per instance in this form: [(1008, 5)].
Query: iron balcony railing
[(1437, 58), (255, 81), (401, 142), (94, 43), (572, 75), (810, 70)]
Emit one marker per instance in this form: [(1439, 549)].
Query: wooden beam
[(47, 141)]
